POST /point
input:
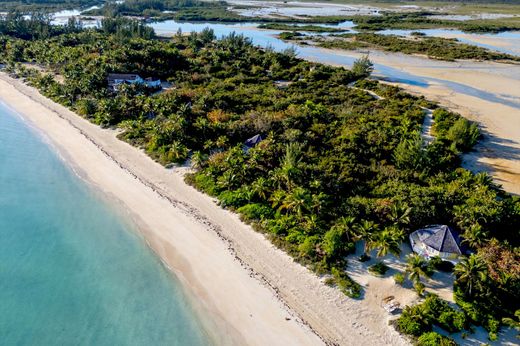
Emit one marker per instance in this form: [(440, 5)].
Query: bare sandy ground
[(505, 42), (379, 287), (296, 9), (245, 290), (486, 92)]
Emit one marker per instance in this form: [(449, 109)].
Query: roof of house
[(441, 238), (251, 142), (123, 76)]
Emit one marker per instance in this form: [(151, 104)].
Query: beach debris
[(389, 304), (392, 306)]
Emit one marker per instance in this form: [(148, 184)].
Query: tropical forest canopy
[(335, 164)]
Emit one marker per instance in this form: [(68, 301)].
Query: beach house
[(437, 240), (116, 79)]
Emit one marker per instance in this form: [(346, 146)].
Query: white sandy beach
[(246, 290)]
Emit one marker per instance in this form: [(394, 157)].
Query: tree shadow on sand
[(494, 148)]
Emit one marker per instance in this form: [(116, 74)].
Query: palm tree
[(347, 224), (198, 159), (417, 313), (485, 179), (289, 164), (365, 231), (400, 214), (512, 322), (416, 266), (277, 198), (298, 201), (475, 236), (278, 176), (387, 241), (471, 272), (178, 151), (311, 224), (260, 187), (318, 202)]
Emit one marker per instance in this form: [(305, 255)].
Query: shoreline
[(263, 296)]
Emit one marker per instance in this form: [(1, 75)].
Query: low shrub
[(435, 339), (463, 134), (348, 286), (399, 279), (286, 35), (308, 247), (255, 211), (419, 319), (452, 321), (232, 199), (492, 325), (378, 269), (329, 281), (413, 321), (203, 182), (419, 288)]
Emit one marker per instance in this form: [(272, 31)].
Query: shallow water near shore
[(72, 268)]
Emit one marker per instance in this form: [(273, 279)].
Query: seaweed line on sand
[(190, 211)]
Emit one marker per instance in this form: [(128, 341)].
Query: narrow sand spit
[(246, 290), (511, 44)]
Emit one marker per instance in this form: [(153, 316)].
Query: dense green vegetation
[(197, 10), (36, 26), (485, 281), (335, 165), (419, 319), (434, 47)]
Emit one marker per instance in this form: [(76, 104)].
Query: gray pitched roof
[(443, 239), (123, 76), (251, 142)]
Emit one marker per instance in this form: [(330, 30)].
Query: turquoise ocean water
[(72, 270)]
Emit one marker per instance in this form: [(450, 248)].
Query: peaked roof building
[(253, 141), (436, 240), (116, 79)]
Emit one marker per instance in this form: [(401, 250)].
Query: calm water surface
[(72, 270)]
